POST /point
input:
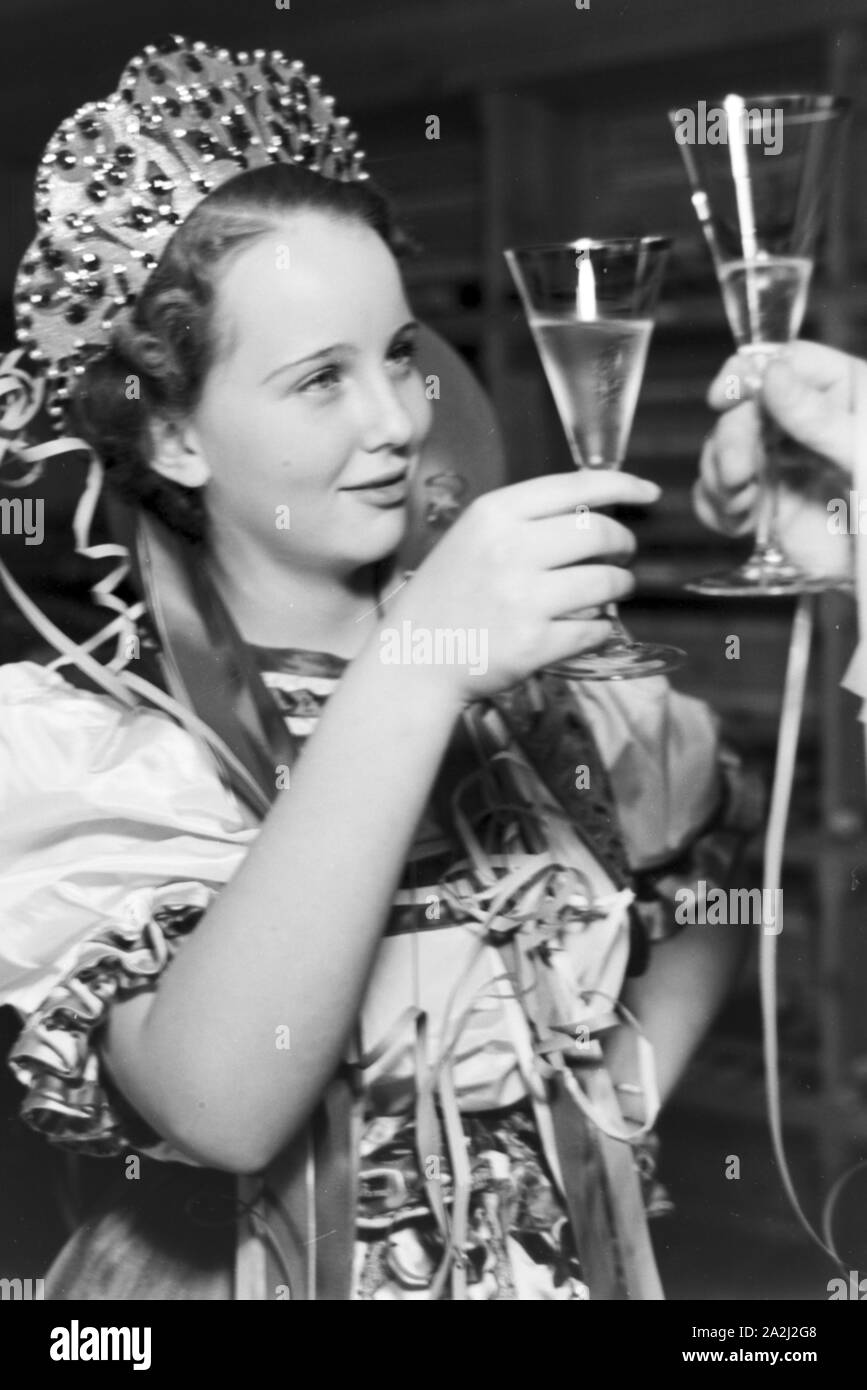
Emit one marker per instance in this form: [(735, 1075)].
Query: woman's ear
[(177, 454)]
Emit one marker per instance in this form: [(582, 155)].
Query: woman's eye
[(324, 380), (403, 354)]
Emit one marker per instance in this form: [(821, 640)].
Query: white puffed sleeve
[(115, 834)]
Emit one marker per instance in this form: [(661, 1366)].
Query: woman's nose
[(387, 421)]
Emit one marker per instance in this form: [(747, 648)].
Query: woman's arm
[(289, 942), (677, 999)]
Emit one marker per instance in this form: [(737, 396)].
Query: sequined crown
[(120, 175)]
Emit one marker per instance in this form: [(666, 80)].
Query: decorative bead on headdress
[(121, 175)]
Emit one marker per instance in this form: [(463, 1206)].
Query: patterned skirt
[(519, 1239)]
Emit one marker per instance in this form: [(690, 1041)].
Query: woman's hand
[(512, 570)]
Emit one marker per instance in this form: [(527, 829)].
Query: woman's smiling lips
[(391, 490)]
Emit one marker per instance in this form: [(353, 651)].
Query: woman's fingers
[(520, 562), (578, 587), (575, 538), (572, 637), (559, 493)]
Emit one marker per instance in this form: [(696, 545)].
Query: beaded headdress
[(116, 181), (121, 175)]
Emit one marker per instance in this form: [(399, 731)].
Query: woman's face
[(311, 422)]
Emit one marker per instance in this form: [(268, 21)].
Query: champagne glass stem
[(768, 550), (618, 640), (768, 557), (618, 631)]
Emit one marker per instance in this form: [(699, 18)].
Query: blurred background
[(552, 124)]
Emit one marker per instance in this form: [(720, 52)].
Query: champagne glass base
[(755, 580), (620, 661)]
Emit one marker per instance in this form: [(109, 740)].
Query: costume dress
[(118, 833)]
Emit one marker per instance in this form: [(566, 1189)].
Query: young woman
[(381, 972)]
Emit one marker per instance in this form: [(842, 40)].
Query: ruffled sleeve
[(116, 834), (69, 1098)]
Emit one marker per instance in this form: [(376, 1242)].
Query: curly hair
[(171, 338)]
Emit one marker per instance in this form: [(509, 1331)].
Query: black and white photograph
[(433, 661)]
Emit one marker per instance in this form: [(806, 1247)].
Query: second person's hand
[(817, 394)]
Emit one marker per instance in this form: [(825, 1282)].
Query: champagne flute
[(760, 169), (589, 305)]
